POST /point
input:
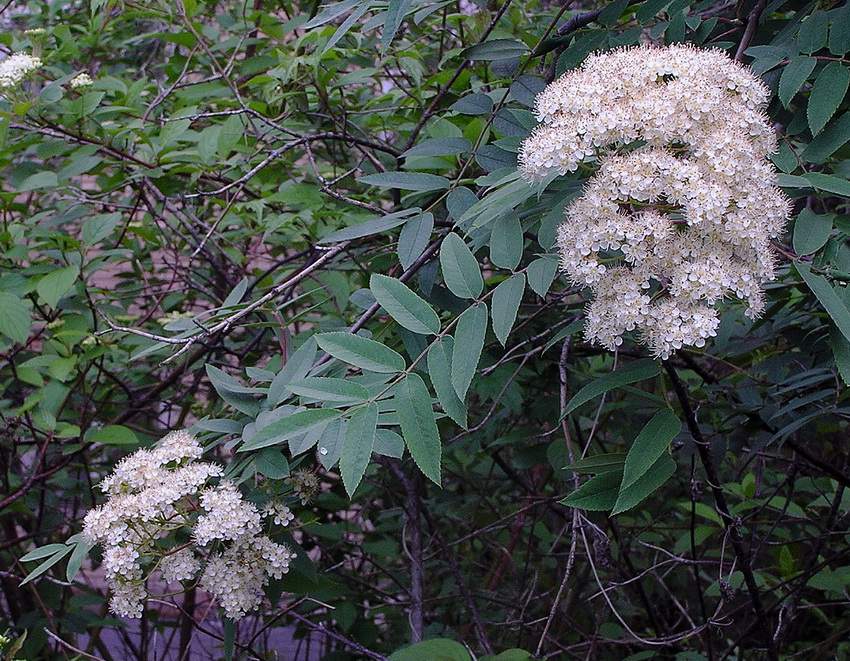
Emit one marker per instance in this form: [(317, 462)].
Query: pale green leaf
[(15, 320), (506, 241), (418, 425), (811, 231), (388, 444), (541, 273), (469, 342), (415, 181), (279, 431), (371, 226), (506, 300), (361, 352), (460, 268), (43, 179), (56, 284), (403, 305), (297, 366), (496, 49), (414, 238), (440, 371), (357, 446), (330, 442)]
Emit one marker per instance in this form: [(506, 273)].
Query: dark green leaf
[(396, 11), (279, 431), (327, 389), (639, 370), (828, 183), (828, 141), (795, 73), (506, 299), (440, 371), (371, 226), (506, 241), (361, 352), (601, 463), (828, 92), (417, 181), (496, 49), (811, 231), (597, 494), (812, 34), (403, 305), (330, 12), (418, 425), (460, 268), (828, 298), (652, 442), (330, 442), (526, 88), (388, 444), (414, 238), (541, 273), (651, 480), (473, 104), (439, 147), (15, 320), (841, 351), (469, 342), (296, 368), (357, 446), (98, 227), (839, 31), (493, 158)]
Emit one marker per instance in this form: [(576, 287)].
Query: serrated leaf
[(639, 370), (97, 228), (279, 431), (329, 389), (473, 104), (657, 475), (506, 241), (811, 231), (440, 371), (506, 300), (496, 49), (828, 141), (811, 36), (396, 11), (330, 442), (271, 463), (416, 181), (388, 444), (795, 73), (403, 305), (460, 268), (56, 284), (601, 463), (357, 446), (469, 342), (828, 183), (652, 442), (361, 352), (597, 494), (414, 238), (439, 147), (296, 368), (418, 425), (541, 273), (828, 92), (371, 226), (15, 320), (839, 31), (828, 298)]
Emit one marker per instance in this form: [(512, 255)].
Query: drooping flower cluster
[(681, 209), (155, 498), (16, 67)]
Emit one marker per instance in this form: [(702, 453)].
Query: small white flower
[(80, 81), (16, 67)]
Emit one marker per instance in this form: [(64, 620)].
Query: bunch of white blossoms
[(681, 209), (156, 497), (16, 67)]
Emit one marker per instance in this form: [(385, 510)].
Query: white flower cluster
[(305, 485), (80, 81), (155, 493), (16, 67), (683, 205)]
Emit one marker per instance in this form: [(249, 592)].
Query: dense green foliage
[(299, 230)]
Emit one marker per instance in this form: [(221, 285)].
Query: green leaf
[(388, 444), (395, 13), (828, 298), (357, 446), (279, 431), (468, 344), (841, 351), (436, 649), (440, 371), (328, 389), (639, 370), (828, 183), (651, 480), (812, 34), (597, 494), (52, 287), (418, 425), (811, 231), (839, 31), (271, 463), (330, 442), (42, 179), (330, 12), (58, 551), (15, 320), (460, 268), (240, 397), (600, 463), (496, 49), (828, 92), (296, 368), (416, 181), (112, 435), (44, 551), (828, 141), (652, 442), (439, 147), (403, 305), (78, 557), (361, 352), (414, 238), (795, 73), (473, 104), (541, 273), (506, 241), (343, 29), (371, 226), (506, 299), (98, 227)]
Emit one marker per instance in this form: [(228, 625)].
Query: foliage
[(299, 230)]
